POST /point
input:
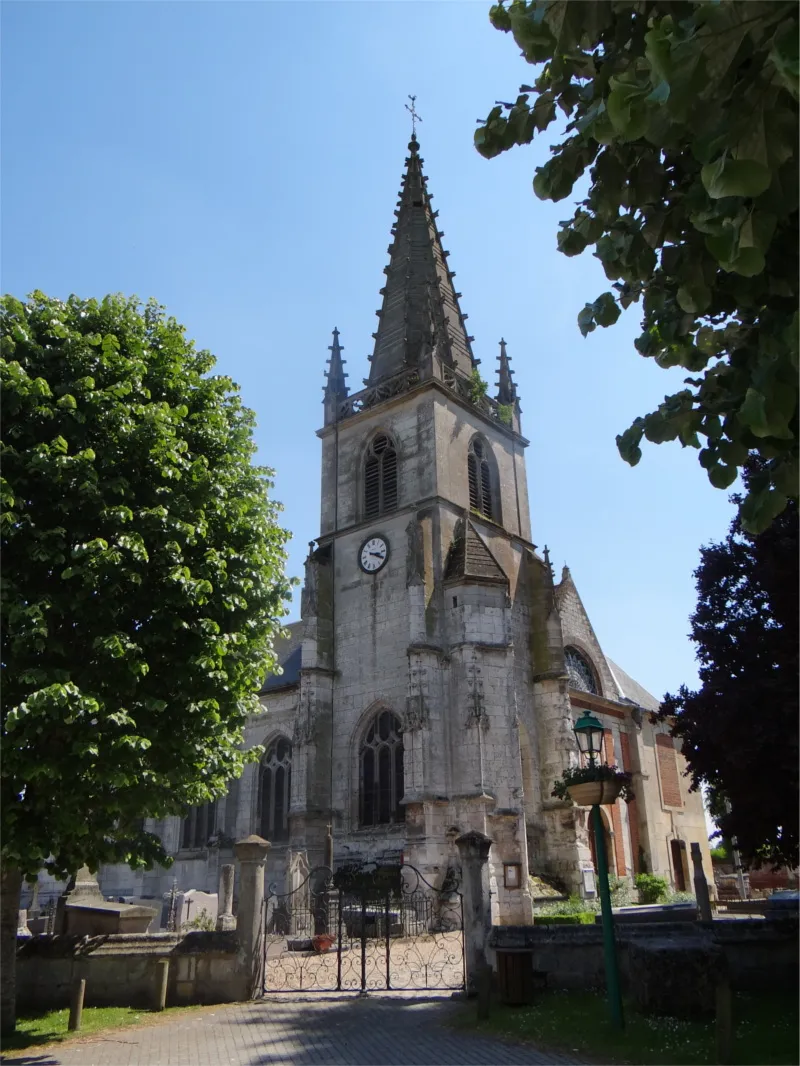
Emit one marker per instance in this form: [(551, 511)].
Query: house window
[(199, 825), (380, 477), (581, 674), (481, 497), (381, 763), (276, 790)]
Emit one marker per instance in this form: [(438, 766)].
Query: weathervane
[(415, 116)]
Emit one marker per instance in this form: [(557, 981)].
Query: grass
[(765, 1031), (50, 1027)]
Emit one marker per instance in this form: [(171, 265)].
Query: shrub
[(581, 918), (652, 888), (620, 890), (477, 387), (202, 921), (567, 907), (680, 897)]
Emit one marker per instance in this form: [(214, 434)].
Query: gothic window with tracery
[(381, 767), (380, 477), (481, 497), (581, 674), (199, 825), (275, 792)]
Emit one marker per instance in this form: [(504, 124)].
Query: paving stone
[(302, 1030)]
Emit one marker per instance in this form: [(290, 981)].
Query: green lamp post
[(589, 734)]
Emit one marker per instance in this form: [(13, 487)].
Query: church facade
[(432, 683)]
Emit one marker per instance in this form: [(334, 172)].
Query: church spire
[(420, 310), (506, 389), (335, 385)]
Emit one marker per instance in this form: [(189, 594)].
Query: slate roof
[(469, 557), (630, 689), (289, 655)]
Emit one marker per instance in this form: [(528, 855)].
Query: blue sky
[(240, 162)]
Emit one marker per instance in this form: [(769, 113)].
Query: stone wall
[(121, 971), (759, 955)]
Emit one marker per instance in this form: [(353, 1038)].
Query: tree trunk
[(10, 890)]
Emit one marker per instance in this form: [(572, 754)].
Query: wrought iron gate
[(364, 928)]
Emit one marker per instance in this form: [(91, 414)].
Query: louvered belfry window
[(480, 479), (380, 477)]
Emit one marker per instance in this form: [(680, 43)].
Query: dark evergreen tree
[(740, 728)]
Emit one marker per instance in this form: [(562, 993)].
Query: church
[(432, 683)]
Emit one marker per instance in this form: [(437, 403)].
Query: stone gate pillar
[(251, 854), (473, 848)]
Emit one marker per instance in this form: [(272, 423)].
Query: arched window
[(380, 477), (581, 674), (481, 497), (276, 790), (199, 825), (381, 767)]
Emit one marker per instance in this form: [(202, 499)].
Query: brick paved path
[(354, 1030)]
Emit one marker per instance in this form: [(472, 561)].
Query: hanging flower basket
[(591, 792), (587, 785)]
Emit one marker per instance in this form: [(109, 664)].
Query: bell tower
[(417, 607)]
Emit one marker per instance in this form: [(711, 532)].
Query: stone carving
[(417, 714), (297, 871), (304, 723), (308, 597), (476, 704), (415, 559)]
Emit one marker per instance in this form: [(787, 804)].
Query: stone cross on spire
[(335, 385), (415, 116)]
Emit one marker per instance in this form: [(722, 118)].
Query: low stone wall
[(121, 970), (757, 954)]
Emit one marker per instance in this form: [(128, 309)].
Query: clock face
[(373, 554)]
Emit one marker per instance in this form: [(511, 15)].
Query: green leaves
[(626, 108), (687, 125), (784, 56), (735, 177), (603, 312), (142, 583)]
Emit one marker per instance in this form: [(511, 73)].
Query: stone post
[(252, 856), (225, 919), (473, 848), (700, 885)]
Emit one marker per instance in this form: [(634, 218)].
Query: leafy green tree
[(740, 728), (685, 117), (143, 584)]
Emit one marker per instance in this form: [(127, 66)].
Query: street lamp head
[(589, 733)]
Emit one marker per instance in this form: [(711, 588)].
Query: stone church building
[(432, 683)]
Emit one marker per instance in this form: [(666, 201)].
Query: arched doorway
[(608, 838)]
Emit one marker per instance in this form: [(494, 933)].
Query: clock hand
[(378, 555)]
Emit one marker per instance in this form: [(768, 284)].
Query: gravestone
[(673, 976), (190, 906)]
